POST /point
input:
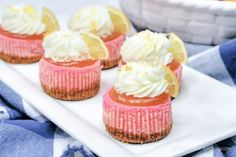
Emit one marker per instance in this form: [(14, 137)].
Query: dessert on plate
[(137, 109), (70, 68), (109, 23), (22, 30), (155, 49)]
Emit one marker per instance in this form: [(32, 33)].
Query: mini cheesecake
[(70, 68), (155, 49), (137, 120), (109, 23), (137, 109), (21, 35)]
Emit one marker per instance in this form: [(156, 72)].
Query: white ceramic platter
[(203, 114)]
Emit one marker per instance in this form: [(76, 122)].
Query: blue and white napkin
[(26, 133)]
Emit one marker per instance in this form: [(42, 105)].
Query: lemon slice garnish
[(119, 19), (177, 48), (97, 48), (173, 85), (50, 20)]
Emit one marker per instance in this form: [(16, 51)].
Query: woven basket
[(207, 22)]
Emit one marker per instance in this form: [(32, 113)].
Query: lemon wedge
[(177, 48), (50, 20), (97, 48), (119, 19), (173, 85)]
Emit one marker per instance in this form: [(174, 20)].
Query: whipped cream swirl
[(64, 46), (94, 19), (140, 80), (23, 20), (147, 47)]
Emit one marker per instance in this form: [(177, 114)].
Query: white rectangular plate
[(203, 114)]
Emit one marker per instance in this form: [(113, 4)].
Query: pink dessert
[(71, 68), (70, 80), (16, 48), (137, 120), (137, 109)]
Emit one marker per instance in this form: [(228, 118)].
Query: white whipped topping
[(140, 80), (147, 47), (65, 46), (94, 19), (22, 20)]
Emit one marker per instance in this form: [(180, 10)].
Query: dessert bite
[(22, 30), (70, 68), (109, 23), (155, 49), (137, 109)]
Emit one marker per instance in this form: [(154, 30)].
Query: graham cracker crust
[(125, 137), (19, 60), (109, 64), (72, 95)]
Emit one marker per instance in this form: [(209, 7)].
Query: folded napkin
[(25, 132), (218, 62)]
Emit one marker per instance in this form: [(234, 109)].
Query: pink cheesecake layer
[(113, 47), (70, 83), (20, 48), (137, 120), (56, 76)]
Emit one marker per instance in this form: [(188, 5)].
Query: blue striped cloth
[(25, 132)]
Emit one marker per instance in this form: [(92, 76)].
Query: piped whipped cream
[(147, 47), (94, 19), (64, 46), (140, 80), (23, 20)]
